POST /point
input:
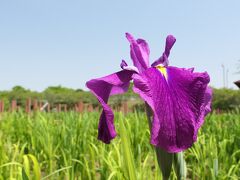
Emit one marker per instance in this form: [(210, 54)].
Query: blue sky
[(54, 42)]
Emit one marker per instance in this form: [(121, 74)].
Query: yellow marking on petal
[(162, 70)]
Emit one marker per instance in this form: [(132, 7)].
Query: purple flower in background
[(179, 97)]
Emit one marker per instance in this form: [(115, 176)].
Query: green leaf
[(26, 165), (127, 153), (180, 166), (165, 161), (36, 167), (24, 175)]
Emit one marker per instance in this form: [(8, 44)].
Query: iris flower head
[(178, 97)]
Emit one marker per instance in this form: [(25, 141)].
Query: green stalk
[(180, 166)]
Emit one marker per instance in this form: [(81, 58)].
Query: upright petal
[(139, 52), (170, 41), (179, 100), (102, 88)]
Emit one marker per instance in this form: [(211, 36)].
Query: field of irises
[(64, 146)]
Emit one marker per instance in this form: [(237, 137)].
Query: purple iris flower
[(178, 97)]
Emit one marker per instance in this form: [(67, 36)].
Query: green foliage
[(226, 99), (127, 153), (20, 94), (65, 146), (62, 95), (54, 95), (223, 99)]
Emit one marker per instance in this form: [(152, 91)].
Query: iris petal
[(139, 52), (178, 104), (170, 40), (102, 88), (125, 66)]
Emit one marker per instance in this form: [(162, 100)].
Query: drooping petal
[(206, 106), (170, 41), (102, 88), (139, 52), (179, 99), (207, 100)]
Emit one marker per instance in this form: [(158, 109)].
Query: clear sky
[(54, 42)]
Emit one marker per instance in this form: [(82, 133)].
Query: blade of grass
[(127, 153)]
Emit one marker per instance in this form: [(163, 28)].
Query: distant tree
[(226, 99), (18, 89), (59, 94), (79, 90)]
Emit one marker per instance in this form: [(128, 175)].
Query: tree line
[(223, 99)]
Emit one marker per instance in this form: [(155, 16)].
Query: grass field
[(64, 146)]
